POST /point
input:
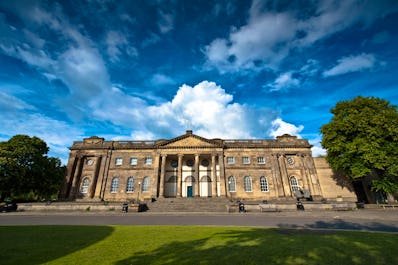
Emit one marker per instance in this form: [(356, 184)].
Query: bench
[(388, 206), (268, 208)]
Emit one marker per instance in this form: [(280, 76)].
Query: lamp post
[(138, 194)]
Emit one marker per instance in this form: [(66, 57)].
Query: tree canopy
[(362, 141), (26, 168)]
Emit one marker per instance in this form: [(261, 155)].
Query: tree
[(25, 168), (362, 141)]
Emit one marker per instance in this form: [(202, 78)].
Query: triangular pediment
[(189, 142)]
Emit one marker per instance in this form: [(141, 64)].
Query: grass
[(191, 245)]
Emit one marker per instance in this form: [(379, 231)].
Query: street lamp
[(138, 194)]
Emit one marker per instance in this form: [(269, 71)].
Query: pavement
[(377, 220)]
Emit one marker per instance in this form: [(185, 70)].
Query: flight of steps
[(189, 205)]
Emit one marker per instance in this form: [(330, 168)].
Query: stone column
[(276, 173), (95, 177), (162, 174), (179, 176), (285, 177), (197, 176), (213, 176), (70, 172), (105, 174), (304, 172), (223, 183), (76, 177), (155, 190)]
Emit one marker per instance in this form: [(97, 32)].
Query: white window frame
[(118, 161), (247, 183), (245, 160), (231, 184), (230, 160), (114, 185), (264, 184), (133, 161), (148, 160), (85, 185), (145, 184), (294, 184), (130, 184), (261, 160)]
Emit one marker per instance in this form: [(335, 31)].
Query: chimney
[(189, 132)]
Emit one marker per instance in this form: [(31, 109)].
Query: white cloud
[(269, 35), (284, 81), (352, 64), (317, 149), (165, 22), (117, 44), (279, 127), (161, 79)]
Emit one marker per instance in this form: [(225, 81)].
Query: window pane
[(245, 160), (133, 161), (261, 160), (148, 160), (145, 184), (264, 184), (114, 185), (130, 184), (118, 161), (230, 160), (248, 184), (232, 184), (294, 183), (85, 184)]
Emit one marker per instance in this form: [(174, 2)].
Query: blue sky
[(225, 69)]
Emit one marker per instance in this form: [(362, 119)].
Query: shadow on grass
[(274, 246), (49, 242), (340, 224)]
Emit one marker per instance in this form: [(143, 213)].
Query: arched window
[(247, 183), (114, 185), (232, 184), (145, 184), (172, 179), (85, 184), (264, 184), (130, 184), (294, 184)]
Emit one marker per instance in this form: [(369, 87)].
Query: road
[(363, 220)]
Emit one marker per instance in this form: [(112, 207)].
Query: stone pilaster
[(197, 176), (213, 176), (179, 176), (162, 175)]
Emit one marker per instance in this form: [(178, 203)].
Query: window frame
[(85, 184), (261, 160), (294, 186), (230, 160), (130, 185), (148, 160), (264, 187), (231, 184), (248, 184), (114, 185), (245, 160), (145, 184), (132, 159), (118, 161)]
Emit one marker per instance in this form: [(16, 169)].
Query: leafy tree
[(362, 140), (25, 168)]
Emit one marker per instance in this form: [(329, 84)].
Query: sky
[(146, 70)]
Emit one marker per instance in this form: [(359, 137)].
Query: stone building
[(193, 166)]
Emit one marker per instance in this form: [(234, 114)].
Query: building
[(193, 166)]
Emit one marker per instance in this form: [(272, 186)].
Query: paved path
[(364, 220)]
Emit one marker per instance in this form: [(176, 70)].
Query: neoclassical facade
[(193, 166)]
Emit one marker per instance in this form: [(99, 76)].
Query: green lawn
[(191, 245)]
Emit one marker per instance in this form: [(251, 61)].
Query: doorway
[(189, 192)]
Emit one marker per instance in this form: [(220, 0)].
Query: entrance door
[(189, 191)]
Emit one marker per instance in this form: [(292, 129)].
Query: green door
[(189, 191)]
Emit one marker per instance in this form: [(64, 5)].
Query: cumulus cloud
[(279, 127), (352, 64), (269, 34), (284, 81)]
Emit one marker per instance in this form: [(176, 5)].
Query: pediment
[(190, 141)]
